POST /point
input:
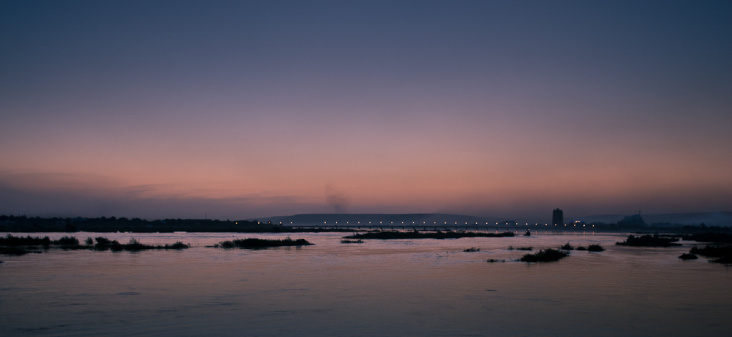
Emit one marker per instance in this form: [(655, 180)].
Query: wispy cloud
[(79, 195)]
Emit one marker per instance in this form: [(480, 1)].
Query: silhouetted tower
[(557, 216)]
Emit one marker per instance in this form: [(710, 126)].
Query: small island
[(721, 254), (254, 243), (590, 248), (545, 255), (649, 241), (688, 256), (15, 245)]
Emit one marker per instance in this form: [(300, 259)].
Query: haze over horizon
[(246, 109)]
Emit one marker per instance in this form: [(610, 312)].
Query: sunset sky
[(244, 109)]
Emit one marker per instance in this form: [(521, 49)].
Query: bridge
[(468, 227)]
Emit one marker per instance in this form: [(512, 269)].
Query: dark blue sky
[(258, 108)]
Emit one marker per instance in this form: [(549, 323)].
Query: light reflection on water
[(387, 288)]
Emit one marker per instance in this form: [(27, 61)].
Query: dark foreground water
[(379, 288)]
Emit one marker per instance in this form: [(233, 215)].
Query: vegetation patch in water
[(17, 241), (545, 255), (723, 254), (387, 235), (107, 244), (133, 245), (66, 241), (253, 243), (566, 246), (351, 241), (177, 245), (592, 248), (649, 241), (18, 245), (595, 248), (688, 256), (11, 245)]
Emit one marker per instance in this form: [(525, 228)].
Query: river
[(419, 287)]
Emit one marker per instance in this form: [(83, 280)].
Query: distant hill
[(723, 219), (375, 219)]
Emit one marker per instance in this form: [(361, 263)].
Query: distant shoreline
[(24, 224)]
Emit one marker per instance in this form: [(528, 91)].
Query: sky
[(246, 109)]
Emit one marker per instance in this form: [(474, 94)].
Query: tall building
[(557, 216)]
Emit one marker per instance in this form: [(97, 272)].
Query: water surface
[(419, 287)]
